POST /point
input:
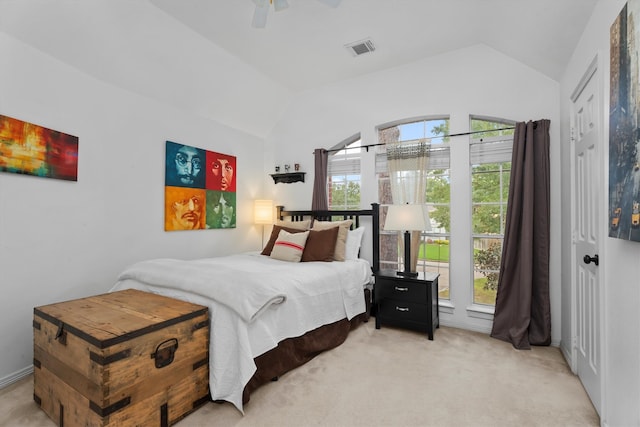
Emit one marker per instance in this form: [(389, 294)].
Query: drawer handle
[(402, 308), (401, 289)]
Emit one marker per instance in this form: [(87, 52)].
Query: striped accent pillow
[(289, 246)]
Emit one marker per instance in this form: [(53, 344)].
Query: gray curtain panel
[(522, 312), (319, 200)]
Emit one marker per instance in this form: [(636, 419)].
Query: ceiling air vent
[(361, 47)]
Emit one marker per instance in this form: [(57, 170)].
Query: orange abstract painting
[(26, 148)]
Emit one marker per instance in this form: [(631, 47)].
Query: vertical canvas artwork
[(29, 149), (624, 126), (200, 188)]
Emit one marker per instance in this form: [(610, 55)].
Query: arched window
[(433, 255)]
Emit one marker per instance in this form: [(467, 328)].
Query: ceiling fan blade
[(279, 5), (332, 3), (260, 16)]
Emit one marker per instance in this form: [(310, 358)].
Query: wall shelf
[(288, 178)]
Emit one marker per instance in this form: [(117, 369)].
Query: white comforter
[(291, 299), (248, 288)]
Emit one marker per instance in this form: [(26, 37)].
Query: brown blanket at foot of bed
[(294, 352)]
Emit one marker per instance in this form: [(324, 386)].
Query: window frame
[(487, 149), (441, 155)]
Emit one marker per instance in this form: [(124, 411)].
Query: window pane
[(488, 219), (490, 182), (486, 269), (343, 188), (435, 248), (344, 193), (434, 258), (438, 199), (505, 179), (494, 128)]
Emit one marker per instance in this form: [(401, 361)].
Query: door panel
[(587, 303)]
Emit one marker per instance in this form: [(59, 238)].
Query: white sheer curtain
[(407, 164)]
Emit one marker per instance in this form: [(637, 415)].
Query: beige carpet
[(393, 377)]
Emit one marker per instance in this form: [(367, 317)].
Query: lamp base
[(407, 273)]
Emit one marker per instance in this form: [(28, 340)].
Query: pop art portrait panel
[(221, 209), (221, 172), (184, 166), (185, 208)]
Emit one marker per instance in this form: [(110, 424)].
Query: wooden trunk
[(119, 359)]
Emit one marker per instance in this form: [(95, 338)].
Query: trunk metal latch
[(165, 352)]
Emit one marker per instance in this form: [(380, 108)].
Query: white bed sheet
[(319, 293)]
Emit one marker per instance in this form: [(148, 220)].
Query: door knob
[(591, 259)]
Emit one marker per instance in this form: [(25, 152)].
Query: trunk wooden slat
[(123, 358)]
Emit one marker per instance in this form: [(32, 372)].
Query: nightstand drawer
[(390, 309), (414, 292)]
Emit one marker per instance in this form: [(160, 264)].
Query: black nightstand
[(410, 302)]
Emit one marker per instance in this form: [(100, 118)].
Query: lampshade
[(407, 218), (263, 212)]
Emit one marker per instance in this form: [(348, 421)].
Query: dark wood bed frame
[(341, 215), (294, 352)]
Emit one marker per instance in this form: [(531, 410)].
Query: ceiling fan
[(262, 9)]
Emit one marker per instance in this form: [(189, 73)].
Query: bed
[(270, 314)]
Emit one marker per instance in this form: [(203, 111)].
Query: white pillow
[(354, 240), (289, 246)]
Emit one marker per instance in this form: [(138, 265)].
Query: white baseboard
[(16, 376), (460, 325), (477, 328), (565, 354)]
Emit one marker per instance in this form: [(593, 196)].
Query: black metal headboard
[(332, 215)]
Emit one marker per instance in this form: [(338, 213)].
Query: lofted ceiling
[(302, 46), (204, 55)]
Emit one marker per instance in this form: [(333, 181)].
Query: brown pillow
[(320, 245), (339, 253), (274, 236)]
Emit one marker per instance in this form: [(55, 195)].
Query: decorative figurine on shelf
[(286, 168), (296, 167)]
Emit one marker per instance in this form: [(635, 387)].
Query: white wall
[(476, 80), (619, 259), (61, 240), (137, 46)]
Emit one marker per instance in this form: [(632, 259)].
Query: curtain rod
[(433, 137)]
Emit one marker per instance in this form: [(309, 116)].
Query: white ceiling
[(204, 56), (303, 46)]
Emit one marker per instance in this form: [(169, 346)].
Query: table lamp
[(263, 214), (407, 218)]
